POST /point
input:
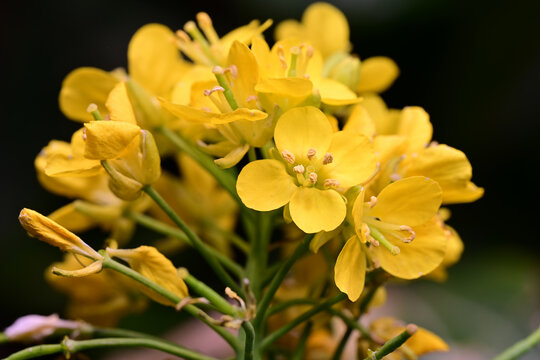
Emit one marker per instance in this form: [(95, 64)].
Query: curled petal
[(350, 269)]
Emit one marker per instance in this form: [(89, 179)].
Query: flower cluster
[(292, 141)]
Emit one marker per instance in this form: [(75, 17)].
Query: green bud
[(344, 68)]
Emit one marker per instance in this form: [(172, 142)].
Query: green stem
[(258, 255), (69, 347), (227, 91), (341, 346), (162, 228), (215, 299), (262, 306), (252, 156), (521, 347), (300, 319), (392, 344), (195, 240), (250, 340), (109, 263), (301, 345), (235, 239), (226, 178), (286, 304)]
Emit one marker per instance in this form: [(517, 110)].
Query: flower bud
[(31, 328), (146, 109), (344, 68)]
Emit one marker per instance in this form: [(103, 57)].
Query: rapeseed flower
[(314, 168)]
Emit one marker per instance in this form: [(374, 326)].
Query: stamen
[(395, 177), (372, 202), (312, 178), (234, 71), (331, 183), (218, 72), (93, 109), (412, 234), (328, 158), (192, 30), (281, 55), (252, 98), (214, 89), (295, 51), (205, 23), (311, 153), (377, 235), (288, 156), (299, 169)]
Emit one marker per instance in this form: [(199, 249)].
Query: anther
[(288, 156), (331, 183), (309, 51), (281, 55), (372, 202), (183, 36), (412, 234), (214, 89), (252, 98), (91, 108), (84, 133), (299, 169), (395, 177), (203, 19), (234, 71), (311, 153), (218, 70), (312, 177), (190, 26), (328, 158)]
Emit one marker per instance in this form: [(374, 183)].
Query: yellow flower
[(326, 27), (398, 230), (150, 263), (314, 168), (421, 343), (323, 25)]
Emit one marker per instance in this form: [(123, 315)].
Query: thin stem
[(252, 156), (341, 346), (521, 347), (215, 299), (165, 229), (234, 238), (262, 306), (258, 255), (286, 304), (226, 178), (195, 240), (301, 345), (69, 347), (109, 263), (300, 319), (392, 344), (250, 340)]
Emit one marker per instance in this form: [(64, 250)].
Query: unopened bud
[(344, 68)]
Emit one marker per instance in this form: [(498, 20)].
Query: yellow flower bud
[(344, 68)]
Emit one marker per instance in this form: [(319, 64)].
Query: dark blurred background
[(473, 65)]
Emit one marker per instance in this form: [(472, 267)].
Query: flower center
[(307, 173)]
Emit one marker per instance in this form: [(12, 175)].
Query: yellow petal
[(377, 74), (359, 121), (386, 121), (107, 139), (411, 201), (314, 210), (301, 129), (286, 87), (265, 185), (150, 263), (182, 90), (414, 124), (335, 93), (59, 159), (358, 215), (424, 341), (44, 229), (327, 28), (233, 157), (388, 147), (449, 167), (354, 159), (289, 29), (82, 87), (154, 60), (245, 33), (350, 269), (119, 105), (417, 258), (248, 72), (200, 116), (322, 238), (454, 249)]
